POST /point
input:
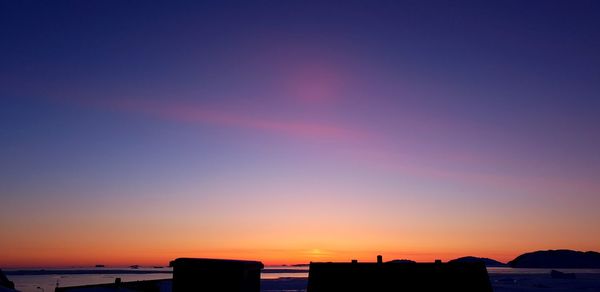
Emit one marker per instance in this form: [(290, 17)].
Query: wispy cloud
[(365, 147), (199, 114)]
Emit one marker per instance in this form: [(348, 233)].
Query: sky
[(136, 132)]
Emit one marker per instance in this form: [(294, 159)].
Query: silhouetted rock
[(4, 282), (487, 261), (557, 259)]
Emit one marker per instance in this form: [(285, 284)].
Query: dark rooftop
[(394, 276), (193, 262)]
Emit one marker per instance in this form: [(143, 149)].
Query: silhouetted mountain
[(487, 261), (402, 261), (562, 258)]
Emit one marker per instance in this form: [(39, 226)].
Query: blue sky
[(484, 113)]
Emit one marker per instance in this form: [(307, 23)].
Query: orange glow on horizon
[(125, 258), (261, 227)]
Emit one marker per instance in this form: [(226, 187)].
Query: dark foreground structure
[(145, 286), (216, 275), (191, 274), (394, 276), (5, 284)]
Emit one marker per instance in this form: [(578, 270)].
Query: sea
[(47, 279)]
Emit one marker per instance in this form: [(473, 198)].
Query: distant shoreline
[(119, 271), (39, 272), (81, 272)]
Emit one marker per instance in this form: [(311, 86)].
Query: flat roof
[(187, 262)]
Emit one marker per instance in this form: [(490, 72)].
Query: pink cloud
[(314, 82), (366, 148), (204, 115)]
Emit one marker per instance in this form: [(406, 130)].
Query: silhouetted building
[(393, 276), (216, 275)]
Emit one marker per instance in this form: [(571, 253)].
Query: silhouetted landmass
[(5, 283), (562, 258), (402, 261), (487, 261), (396, 275)]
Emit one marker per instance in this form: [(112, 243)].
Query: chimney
[(379, 259)]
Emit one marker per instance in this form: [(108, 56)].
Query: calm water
[(66, 277), (74, 277)]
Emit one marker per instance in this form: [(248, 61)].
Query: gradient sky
[(135, 132)]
